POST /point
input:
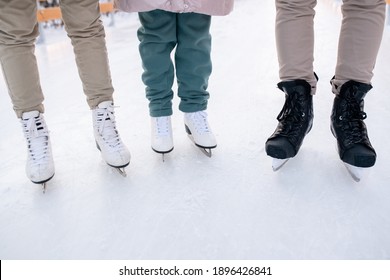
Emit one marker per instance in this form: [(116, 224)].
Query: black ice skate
[(347, 125), (295, 121)]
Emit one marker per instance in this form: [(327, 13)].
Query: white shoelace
[(37, 139), (162, 126), (106, 127), (199, 120)]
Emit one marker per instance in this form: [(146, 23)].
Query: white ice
[(230, 206)]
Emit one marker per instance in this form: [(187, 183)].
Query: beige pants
[(18, 31), (359, 40)]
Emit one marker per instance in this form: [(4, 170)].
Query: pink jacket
[(208, 7)]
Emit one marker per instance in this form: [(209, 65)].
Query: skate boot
[(114, 152), (40, 165), (295, 121), (161, 135), (199, 131), (348, 127)]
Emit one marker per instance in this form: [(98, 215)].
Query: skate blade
[(278, 163), (163, 156), (162, 153), (44, 187), (43, 183), (357, 173), (121, 171), (204, 150)]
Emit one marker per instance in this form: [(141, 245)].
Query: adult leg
[(86, 31), (295, 46), (294, 30), (360, 38), (18, 31)]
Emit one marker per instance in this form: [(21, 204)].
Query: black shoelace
[(351, 120), (292, 116)]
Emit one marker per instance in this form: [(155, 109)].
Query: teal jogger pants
[(159, 34)]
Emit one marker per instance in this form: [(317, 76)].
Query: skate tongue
[(104, 104), (29, 115)]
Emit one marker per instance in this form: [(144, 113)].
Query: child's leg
[(157, 37), (193, 62)]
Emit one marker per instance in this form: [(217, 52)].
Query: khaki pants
[(359, 40), (18, 31)]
